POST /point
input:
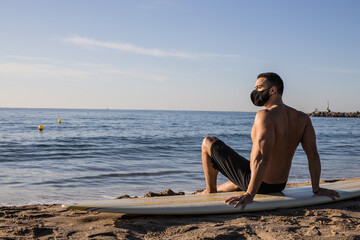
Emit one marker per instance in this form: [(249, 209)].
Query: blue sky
[(178, 55)]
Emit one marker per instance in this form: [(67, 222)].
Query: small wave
[(106, 176), (136, 174)]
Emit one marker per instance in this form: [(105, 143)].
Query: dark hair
[(274, 80)]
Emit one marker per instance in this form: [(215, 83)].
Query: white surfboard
[(214, 203)]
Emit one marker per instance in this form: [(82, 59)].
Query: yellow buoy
[(41, 127), (59, 120), (338, 119)]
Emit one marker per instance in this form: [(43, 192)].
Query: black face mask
[(259, 98)]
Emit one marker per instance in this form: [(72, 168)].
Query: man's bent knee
[(207, 142)]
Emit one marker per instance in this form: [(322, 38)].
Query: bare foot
[(205, 192)]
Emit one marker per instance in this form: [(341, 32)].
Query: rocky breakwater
[(335, 114)]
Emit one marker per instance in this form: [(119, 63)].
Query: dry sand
[(339, 220)]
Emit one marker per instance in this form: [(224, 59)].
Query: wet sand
[(339, 220)]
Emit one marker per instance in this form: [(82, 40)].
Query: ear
[(273, 90)]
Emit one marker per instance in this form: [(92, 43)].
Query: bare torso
[(289, 126), (276, 134)]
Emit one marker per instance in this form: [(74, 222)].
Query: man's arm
[(263, 142), (308, 143)]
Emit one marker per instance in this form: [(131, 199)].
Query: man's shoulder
[(272, 114), (264, 116), (300, 115), (263, 113)]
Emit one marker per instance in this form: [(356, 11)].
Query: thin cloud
[(35, 71), (338, 70), (83, 72), (137, 75), (126, 47), (29, 58)]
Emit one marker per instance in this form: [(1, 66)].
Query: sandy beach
[(339, 220)]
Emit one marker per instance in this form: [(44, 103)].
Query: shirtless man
[(276, 133)]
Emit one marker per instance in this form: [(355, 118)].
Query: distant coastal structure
[(327, 108), (329, 113)]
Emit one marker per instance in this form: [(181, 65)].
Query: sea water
[(102, 154)]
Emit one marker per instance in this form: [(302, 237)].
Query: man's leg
[(228, 186), (232, 165), (209, 171)]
